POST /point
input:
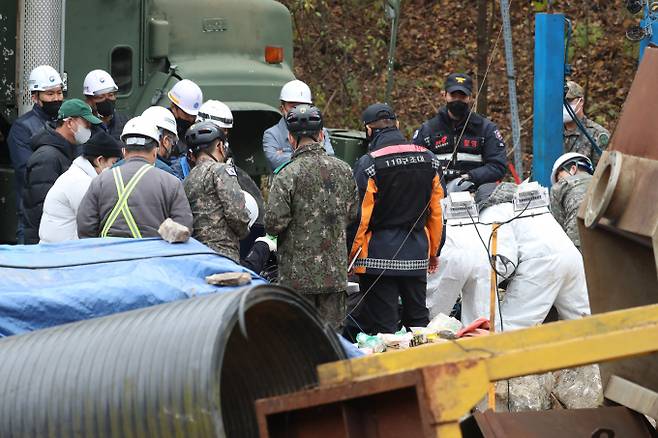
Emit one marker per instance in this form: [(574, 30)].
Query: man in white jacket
[(464, 265), (549, 270), (60, 208)]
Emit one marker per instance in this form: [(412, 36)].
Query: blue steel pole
[(548, 95), (650, 20)]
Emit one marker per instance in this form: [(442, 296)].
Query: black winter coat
[(115, 128), (22, 130), (52, 155), (400, 224), (480, 140)]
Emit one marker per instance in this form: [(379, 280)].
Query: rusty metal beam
[(526, 345), (450, 378)]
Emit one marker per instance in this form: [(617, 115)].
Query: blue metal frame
[(548, 130), (650, 20)]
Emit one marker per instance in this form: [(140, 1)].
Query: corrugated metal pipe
[(182, 369)]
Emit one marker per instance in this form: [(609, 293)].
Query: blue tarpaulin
[(50, 284)]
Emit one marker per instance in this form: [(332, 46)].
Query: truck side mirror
[(158, 38)]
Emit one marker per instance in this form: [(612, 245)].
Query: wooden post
[(492, 304)]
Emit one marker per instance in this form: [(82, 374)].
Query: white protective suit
[(60, 208), (464, 269), (550, 270)]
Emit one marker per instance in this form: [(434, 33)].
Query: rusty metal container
[(618, 220)]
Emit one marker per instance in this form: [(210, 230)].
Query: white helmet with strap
[(296, 91), (139, 131), (163, 118), (217, 112), (43, 78), (98, 82), (187, 96), (574, 157)]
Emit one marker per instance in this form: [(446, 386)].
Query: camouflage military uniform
[(566, 197), (312, 200), (218, 207), (576, 141), (494, 194)]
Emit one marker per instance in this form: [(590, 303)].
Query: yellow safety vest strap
[(118, 180), (122, 203)]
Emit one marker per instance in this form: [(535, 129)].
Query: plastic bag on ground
[(375, 343), (398, 340), (443, 322)]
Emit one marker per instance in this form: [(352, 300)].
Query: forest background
[(341, 50)]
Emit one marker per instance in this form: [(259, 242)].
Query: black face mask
[(369, 136), (458, 109), (105, 108), (182, 126), (51, 108), (373, 134)]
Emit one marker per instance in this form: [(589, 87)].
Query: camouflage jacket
[(312, 200), (566, 197), (503, 192), (218, 207), (575, 141)]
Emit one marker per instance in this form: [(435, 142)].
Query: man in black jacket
[(399, 230), (468, 145), (54, 149), (46, 89), (100, 92)]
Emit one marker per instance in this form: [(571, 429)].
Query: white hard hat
[(296, 91), (570, 156), (217, 112), (163, 118), (252, 207), (98, 82), (187, 96), (138, 129), (43, 78)]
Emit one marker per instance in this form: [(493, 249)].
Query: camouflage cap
[(573, 90)]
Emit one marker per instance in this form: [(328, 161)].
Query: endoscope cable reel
[(639, 32), (459, 209), (531, 199)]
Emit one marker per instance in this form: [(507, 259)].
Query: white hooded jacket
[(60, 208), (464, 269), (549, 270)]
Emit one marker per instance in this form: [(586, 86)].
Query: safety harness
[(121, 206)]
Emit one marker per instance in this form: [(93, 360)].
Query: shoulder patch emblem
[(498, 135), (231, 171)]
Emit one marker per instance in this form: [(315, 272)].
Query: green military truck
[(238, 51)]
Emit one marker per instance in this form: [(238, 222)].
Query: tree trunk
[(482, 54)]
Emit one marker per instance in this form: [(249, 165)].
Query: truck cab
[(237, 51)]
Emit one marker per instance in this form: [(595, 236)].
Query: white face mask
[(566, 117), (82, 134)]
